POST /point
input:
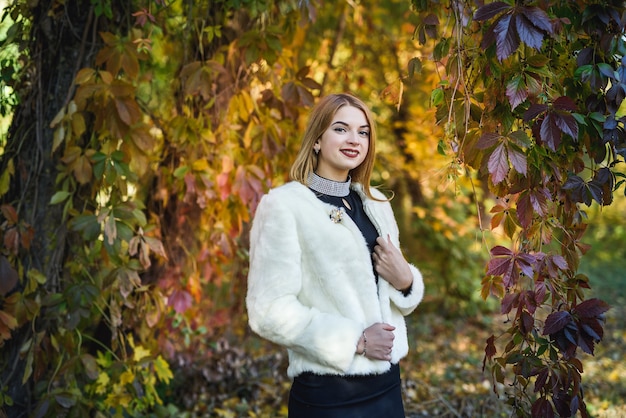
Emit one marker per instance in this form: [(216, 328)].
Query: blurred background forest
[(137, 137)]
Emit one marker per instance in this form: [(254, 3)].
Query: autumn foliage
[(532, 102), (125, 214)]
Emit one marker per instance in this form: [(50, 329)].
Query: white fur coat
[(311, 286)]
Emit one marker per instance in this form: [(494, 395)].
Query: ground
[(442, 376)]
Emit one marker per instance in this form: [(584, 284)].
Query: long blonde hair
[(319, 120)]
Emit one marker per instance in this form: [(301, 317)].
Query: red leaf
[(223, 185), (559, 261), (591, 308), (527, 32), (566, 123), (524, 210), (542, 408), (518, 160), (541, 380), (490, 349), (550, 132), (528, 300), (500, 250), (487, 140), (556, 321), (527, 322), (303, 72), (534, 110), (509, 301), (180, 300), (507, 40), (8, 276), (540, 292), (499, 266), (488, 38), (586, 343), (9, 213), (525, 263), (592, 328), (498, 164), (565, 103), (539, 18), (539, 201), (516, 91), (490, 10)]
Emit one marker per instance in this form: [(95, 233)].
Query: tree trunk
[(60, 41)]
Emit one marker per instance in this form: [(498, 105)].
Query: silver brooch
[(336, 215)]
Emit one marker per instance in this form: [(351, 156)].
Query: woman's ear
[(316, 147)]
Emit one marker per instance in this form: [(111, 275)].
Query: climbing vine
[(530, 97)]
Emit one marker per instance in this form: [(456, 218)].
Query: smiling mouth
[(350, 153)]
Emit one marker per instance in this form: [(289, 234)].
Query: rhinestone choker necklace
[(329, 187)]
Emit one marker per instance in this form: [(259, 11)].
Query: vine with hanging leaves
[(531, 97)]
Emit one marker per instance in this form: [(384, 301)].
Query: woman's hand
[(390, 264), (377, 341)]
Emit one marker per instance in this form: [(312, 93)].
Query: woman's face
[(344, 144)]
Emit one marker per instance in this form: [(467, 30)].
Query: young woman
[(327, 279)]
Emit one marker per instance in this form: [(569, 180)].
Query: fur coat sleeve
[(311, 287)]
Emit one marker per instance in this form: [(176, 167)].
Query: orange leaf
[(85, 75), (142, 138), (71, 154), (194, 287), (83, 170), (7, 324), (9, 214), (129, 60), (12, 240), (128, 111)]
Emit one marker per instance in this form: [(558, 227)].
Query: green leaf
[(415, 66), (180, 172), (436, 97), (59, 197)]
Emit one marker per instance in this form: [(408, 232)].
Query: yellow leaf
[(127, 377), (5, 178), (103, 360), (140, 353), (621, 111), (227, 164), (39, 277), (200, 165), (78, 125), (162, 369), (58, 118), (115, 400), (102, 382), (58, 137)]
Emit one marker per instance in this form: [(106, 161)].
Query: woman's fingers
[(380, 338)]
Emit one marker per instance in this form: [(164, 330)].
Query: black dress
[(337, 396)]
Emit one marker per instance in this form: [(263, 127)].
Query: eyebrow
[(345, 124)]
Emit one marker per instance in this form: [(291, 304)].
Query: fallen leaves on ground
[(442, 376)]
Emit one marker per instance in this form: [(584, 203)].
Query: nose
[(353, 138)]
